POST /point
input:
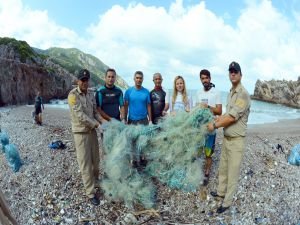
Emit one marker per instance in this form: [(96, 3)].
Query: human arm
[(122, 113), (149, 108), (42, 103), (125, 110), (166, 108), (149, 113), (222, 121), (103, 114), (187, 105), (217, 110)]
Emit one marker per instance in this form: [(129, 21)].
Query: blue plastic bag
[(294, 157), (57, 145), (4, 140), (12, 157)]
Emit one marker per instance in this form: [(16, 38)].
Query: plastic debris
[(13, 157), (294, 157), (4, 140), (57, 145)]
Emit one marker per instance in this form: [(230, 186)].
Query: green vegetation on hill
[(73, 60), (25, 51)]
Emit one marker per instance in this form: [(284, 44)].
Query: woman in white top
[(180, 101)]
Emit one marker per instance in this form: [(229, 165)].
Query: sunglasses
[(84, 79), (233, 71)]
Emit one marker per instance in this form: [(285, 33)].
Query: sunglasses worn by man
[(233, 71)]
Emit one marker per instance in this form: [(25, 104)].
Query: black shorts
[(38, 110)]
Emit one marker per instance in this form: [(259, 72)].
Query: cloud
[(174, 40), (33, 26), (182, 41)]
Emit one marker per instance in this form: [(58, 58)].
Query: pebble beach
[(48, 187)]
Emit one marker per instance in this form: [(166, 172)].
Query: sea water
[(260, 112)]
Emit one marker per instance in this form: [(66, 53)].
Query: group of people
[(139, 106)]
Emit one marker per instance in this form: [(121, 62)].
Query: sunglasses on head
[(84, 79)]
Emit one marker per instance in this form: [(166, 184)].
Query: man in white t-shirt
[(209, 97)]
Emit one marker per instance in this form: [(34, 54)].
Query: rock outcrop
[(278, 91), (23, 73)]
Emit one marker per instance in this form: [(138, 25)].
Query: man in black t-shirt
[(109, 98), (159, 99)]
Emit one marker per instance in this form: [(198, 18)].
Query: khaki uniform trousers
[(6, 218), (87, 150), (229, 168)]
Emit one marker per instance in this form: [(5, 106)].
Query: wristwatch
[(214, 125), (208, 106)]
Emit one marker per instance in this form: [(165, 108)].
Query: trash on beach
[(4, 140), (12, 156), (11, 152), (170, 149), (57, 144), (294, 157)]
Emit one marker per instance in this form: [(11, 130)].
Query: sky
[(173, 37)]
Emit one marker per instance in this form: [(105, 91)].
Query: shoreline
[(282, 126)]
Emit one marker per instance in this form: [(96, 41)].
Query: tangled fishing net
[(11, 152), (170, 148)]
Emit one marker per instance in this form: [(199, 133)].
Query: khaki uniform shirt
[(238, 106), (84, 115)]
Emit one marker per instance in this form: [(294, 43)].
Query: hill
[(24, 70), (73, 59)]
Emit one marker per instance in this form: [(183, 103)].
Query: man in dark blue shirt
[(38, 106), (109, 98), (159, 99)]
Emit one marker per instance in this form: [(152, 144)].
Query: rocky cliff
[(278, 91), (24, 72)]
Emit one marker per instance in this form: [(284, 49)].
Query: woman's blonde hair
[(175, 92)]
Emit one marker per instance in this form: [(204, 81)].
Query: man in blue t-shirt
[(137, 102), (109, 98)]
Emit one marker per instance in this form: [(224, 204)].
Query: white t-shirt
[(211, 97), (179, 104)]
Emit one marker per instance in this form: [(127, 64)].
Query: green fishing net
[(171, 149)]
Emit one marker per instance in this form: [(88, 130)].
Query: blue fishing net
[(170, 149)]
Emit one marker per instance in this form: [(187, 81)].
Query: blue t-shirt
[(138, 100), (110, 100)]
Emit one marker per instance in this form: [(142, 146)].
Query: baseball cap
[(84, 73), (234, 66)]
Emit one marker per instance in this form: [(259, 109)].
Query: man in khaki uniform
[(234, 122), (85, 119), (6, 218)]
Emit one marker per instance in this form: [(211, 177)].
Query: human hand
[(164, 113), (210, 127), (150, 122)]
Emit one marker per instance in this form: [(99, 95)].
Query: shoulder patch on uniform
[(72, 99), (240, 103)]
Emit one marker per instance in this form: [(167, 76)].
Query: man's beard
[(207, 86)]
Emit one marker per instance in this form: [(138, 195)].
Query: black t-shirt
[(110, 100), (157, 98), (38, 102)]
